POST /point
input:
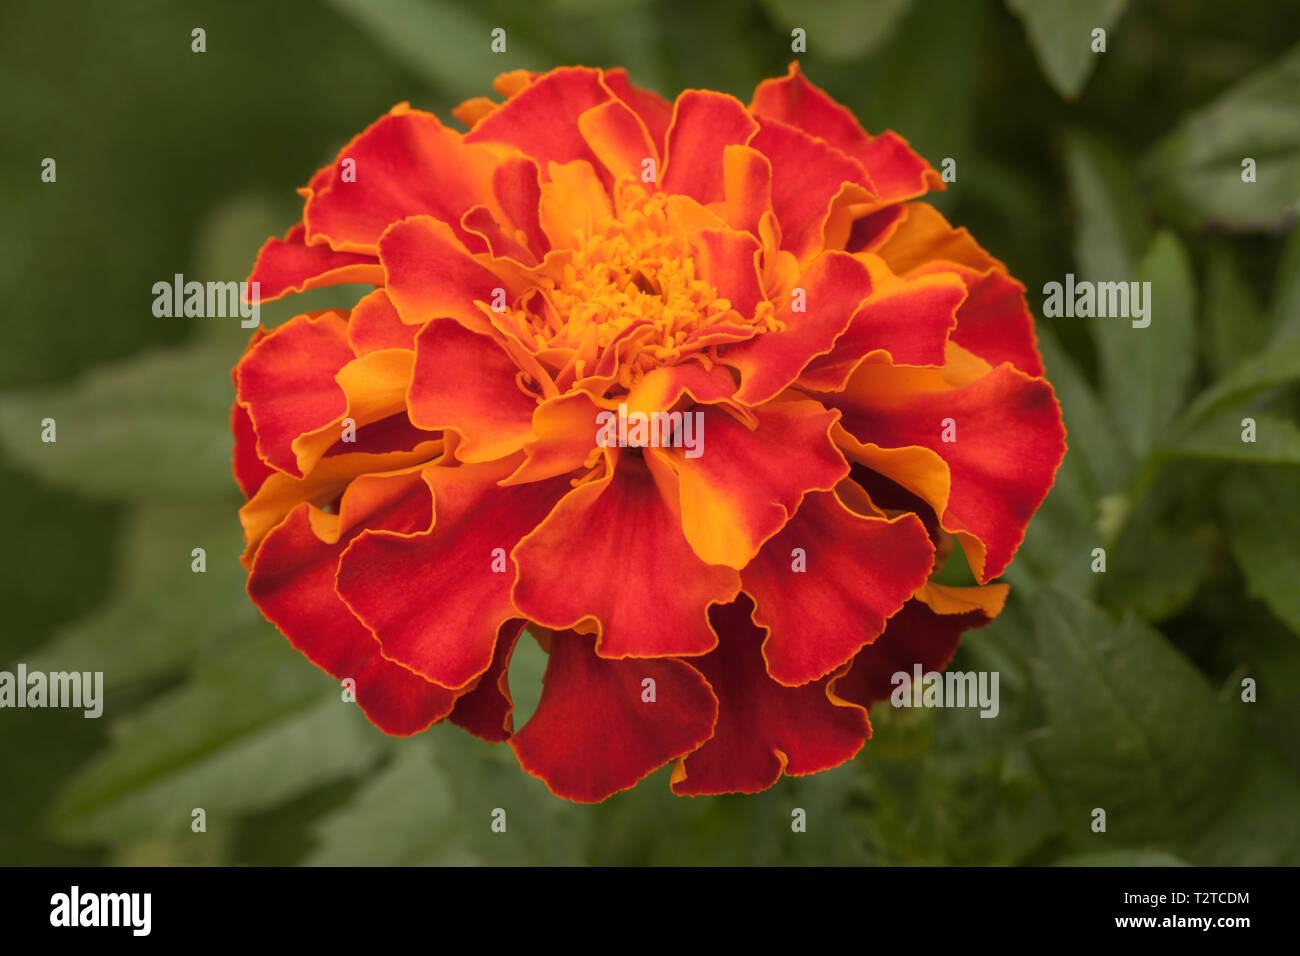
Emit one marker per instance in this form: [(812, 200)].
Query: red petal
[(292, 581), (542, 120), (466, 381), (806, 177), (764, 729), (431, 275), (406, 164), (433, 599), (897, 172), (915, 635), (595, 733), (994, 321), (704, 123), (729, 260), (1009, 442), (858, 572), (744, 486), (618, 138), (620, 537), (487, 710), (290, 265), (834, 286), (286, 382), (250, 471), (655, 111), (909, 320), (375, 325)]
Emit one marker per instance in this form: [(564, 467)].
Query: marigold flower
[(424, 477)]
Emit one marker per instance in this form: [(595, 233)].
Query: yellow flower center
[(633, 269)]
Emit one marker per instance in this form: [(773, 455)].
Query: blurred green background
[(1120, 690)]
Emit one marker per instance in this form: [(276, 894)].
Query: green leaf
[(404, 815), (154, 427), (1060, 33), (1275, 366), (1132, 729), (1233, 315), (840, 29), (162, 613), (1195, 172), (1263, 526), (1111, 229), (1091, 431), (1219, 436), (1145, 372), (254, 727)]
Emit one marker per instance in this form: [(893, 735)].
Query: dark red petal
[(764, 729), (915, 635), (596, 733), (292, 581), (433, 599), (249, 469), (486, 711), (856, 573), (624, 541)]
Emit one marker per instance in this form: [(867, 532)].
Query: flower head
[(820, 388)]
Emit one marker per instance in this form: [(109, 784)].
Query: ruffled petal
[(406, 164), (292, 582), (655, 111), (436, 599), (375, 325), (825, 585), (541, 120), (833, 286), (763, 728), (600, 532), (704, 123), (806, 177), (895, 169), (431, 275), (465, 381), (744, 485), (487, 711), (290, 265), (602, 725), (908, 320), (916, 635), (1008, 443), (286, 382)]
